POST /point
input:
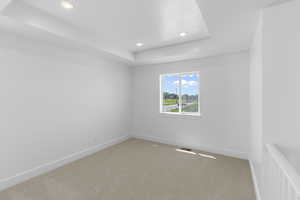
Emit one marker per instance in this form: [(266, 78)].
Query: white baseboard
[(26, 175), (226, 152), (254, 179)]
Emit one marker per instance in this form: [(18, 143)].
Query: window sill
[(181, 115)]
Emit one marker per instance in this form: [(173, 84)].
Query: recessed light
[(139, 44), (183, 34), (67, 5)]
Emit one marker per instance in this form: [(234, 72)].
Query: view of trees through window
[(180, 93)]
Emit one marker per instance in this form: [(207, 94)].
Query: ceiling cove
[(139, 31), (120, 28)]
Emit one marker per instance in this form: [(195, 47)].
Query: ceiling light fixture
[(139, 44), (183, 34), (67, 4)]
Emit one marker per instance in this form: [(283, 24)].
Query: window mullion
[(161, 93), (180, 104)]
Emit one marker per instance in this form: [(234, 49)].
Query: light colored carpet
[(141, 170)]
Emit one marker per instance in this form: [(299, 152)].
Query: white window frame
[(180, 105)]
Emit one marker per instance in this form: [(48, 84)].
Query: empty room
[(149, 100)]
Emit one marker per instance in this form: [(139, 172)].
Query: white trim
[(254, 180), (182, 114), (160, 96), (226, 152), (26, 175)]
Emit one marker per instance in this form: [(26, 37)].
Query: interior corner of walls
[(255, 180), (46, 167)]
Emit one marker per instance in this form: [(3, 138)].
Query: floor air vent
[(185, 149)]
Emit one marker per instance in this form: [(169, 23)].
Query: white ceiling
[(115, 26), (124, 23), (231, 24)]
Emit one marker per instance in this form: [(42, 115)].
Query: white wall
[(224, 124), (274, 86), (281, 53), (55, 102)]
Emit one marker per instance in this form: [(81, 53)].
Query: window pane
[(190, 92), (170, 92)]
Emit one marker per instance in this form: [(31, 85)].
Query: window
[(180, 93)]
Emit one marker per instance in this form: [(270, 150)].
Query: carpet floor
[(142, 170)]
